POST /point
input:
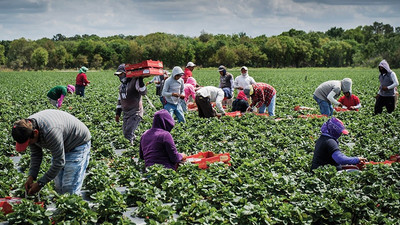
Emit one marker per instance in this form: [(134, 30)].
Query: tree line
[(361, 46)]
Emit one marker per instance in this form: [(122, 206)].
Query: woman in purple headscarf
[(327, 150)]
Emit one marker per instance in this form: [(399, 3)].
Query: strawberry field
[(269, 180)]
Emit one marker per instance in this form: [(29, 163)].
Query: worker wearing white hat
[(243, 80), (188, 71)]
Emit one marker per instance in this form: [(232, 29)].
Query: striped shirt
[(60, 132)]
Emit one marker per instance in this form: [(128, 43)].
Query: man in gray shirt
[(326, 93), (68, 140)]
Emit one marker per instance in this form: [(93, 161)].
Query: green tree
[(19, 54), (224, 56), (39, 58), (2, 56), (97, 61)]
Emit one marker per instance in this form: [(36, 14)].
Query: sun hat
[(83, 69), (120, 69), (22, 131), (245, 68), (221, 68), (190, 64)]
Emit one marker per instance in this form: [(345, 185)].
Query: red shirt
[(352, 100), (263, 93), (82, 80), (186, 75)]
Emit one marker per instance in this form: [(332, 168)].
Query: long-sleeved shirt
[(60, 132), (173, 86), (82, 80), (131, 101), (263, 94), (189, 91), (389, 80), (226, 81), (328, 91), (215, 94), (327, 152), (243, 81)]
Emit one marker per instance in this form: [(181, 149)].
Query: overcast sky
[(35, 19)]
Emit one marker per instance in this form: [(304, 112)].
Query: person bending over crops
[(57, 94), (240, 104), (350, 101), (188, 71), (244, 80), (386, 96), (262, 96), (173, 92), (327, 150), (68, 140), (157, 145), (130, 102), (326, 93), (81, 81), (204, 97), (190, 91)]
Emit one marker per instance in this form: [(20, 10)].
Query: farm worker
[(350, 101), (157, 145), (204, 97), (243, 80), (226, 83), (57, 94), (327, 150), (81, 81), (387, 89), (240, 103), (189, 89), (130, 102), (68, 140), (173, 92), (159, 81), (262, 96), (188, 71), (326, 93)]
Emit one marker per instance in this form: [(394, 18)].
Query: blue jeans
[(70, 178), (271, 107), (325, 107), (175, 109)]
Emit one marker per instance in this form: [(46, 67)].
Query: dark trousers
[(80, 90), (387, 101), (204, 107)]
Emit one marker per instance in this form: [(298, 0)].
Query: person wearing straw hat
[(57, 94), (81, 81), (327, 151), (262, 96), (130, 102), (68, 140)]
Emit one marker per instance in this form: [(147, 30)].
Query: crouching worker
[(241, 103), (327, 150), (157, 145), (204, 97), (350, 101), (68, 140), (57, 94)]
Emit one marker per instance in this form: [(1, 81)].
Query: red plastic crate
[(202, 158), (144, 72), (6, 202), (144, 64), (311, 116), (233, 114)]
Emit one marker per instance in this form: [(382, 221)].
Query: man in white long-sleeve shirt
[(387, 89), (205, 96), (326, 93), (244, 80)]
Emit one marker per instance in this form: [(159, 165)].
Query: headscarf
[(385, 65), (191, 81), (70, 88), (333, 128), (241, 96)]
